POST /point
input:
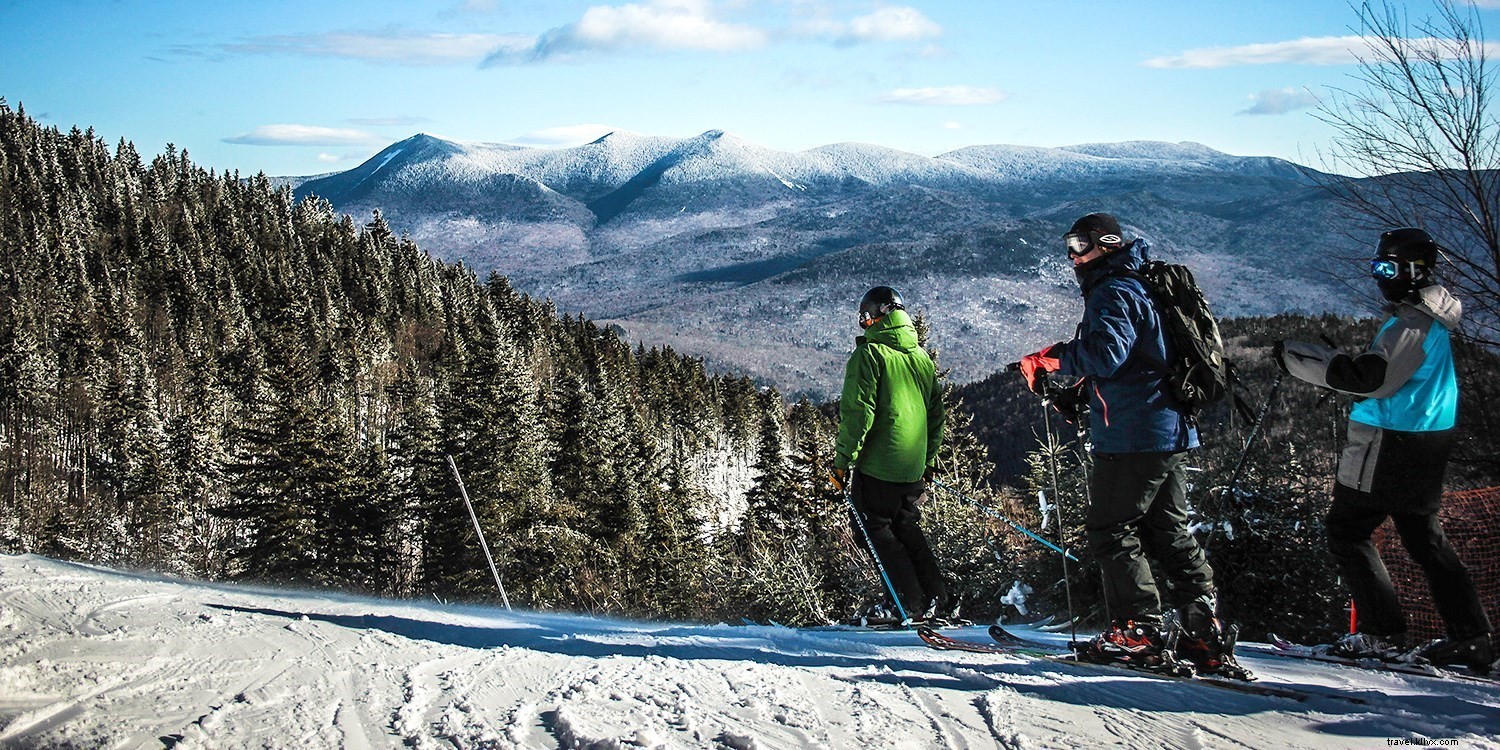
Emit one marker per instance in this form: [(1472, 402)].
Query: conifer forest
[(201, 376)]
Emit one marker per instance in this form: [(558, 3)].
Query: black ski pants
[(1138, 507), (890, 513), (1407, 488)]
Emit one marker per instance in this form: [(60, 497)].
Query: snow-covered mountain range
[(755, 258), (96, 658)]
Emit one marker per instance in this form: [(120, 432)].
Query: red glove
[(1044, 361)]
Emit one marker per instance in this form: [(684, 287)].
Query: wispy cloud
[(1326, 50), (386, 47), (895, 24), (654, 25), (1279, 102), (303, 135), (888, 24), (948, 96), (562, 136), (381, 122), (347, 156), (667, 25)]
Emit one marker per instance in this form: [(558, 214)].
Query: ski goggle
[(1078, 243), (1388, 269)]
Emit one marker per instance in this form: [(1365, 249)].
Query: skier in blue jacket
[(1138, 485), (1400, 436)]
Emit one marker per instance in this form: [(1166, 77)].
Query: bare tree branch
[(1417, 143)]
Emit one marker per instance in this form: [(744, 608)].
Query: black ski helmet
[(1099, 231), (1404, 262), (877, 303)]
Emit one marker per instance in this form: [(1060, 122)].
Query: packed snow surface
[(91, 657)]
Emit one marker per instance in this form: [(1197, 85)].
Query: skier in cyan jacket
[(1400, 435), (1138, 484), (890, 427)]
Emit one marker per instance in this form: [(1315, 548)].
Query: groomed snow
[(91, 657)]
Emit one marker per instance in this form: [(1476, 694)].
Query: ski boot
[(879, 615), (1357, 646), (1198, 636), (943, 612), (1132, 643), (1477, 653)]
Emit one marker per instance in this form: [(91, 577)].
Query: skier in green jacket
[(890, 427)]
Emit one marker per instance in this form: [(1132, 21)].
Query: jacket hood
[(1128, 258), (1438, 302), (894, 330)]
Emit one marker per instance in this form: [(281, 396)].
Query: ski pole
[(1048, 394), (482, 543), (870, 543), (993, 514), (1260, 418), (1057, 510), (1234, 477)]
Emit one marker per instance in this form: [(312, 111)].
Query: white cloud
[(953, 126), (896, 24), (944, 96), (563, 136), (1327, 50), (666, 24), (656, 25), (890, 24), (1279, 102), (653, 25), (303, 135), (400, 48)]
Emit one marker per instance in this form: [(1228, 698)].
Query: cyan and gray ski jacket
[(891, 412), (1122, 349), (1406, 378)]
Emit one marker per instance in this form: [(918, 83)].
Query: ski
[(1022, 647), (1286, 649), (884, 624)]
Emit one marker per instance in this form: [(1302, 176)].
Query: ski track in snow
[(96, 658)]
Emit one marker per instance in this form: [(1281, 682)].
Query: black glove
[(839, 478), (1070, 400), (929, 474), (1278, 351)]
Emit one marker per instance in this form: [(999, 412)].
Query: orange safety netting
[(1471, 521)]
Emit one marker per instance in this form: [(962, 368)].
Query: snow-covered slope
[(97, 658)]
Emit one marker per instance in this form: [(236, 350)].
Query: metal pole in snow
[(482, 544)]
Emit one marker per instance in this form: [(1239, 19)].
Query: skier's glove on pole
[(1043, 362), (839, 477), (1278, 353), (1070, 400)]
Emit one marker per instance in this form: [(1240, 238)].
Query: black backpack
[(1198, 374)]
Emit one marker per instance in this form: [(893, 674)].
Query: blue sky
[(306, 87)]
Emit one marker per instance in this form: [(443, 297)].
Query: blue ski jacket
[(1122, 348)]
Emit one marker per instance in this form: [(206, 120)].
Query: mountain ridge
[(669, 238)]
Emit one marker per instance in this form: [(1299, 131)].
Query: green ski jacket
[(891, 412)]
